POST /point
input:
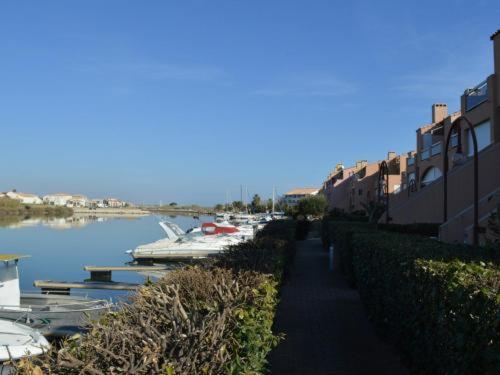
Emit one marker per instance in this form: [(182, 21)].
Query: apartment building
[(351, 189), (424, 196), (292, 197)]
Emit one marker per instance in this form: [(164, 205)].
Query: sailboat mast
[(273, 200), (246, 199)]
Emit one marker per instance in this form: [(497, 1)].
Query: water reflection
[(59, 248), (60, 223)]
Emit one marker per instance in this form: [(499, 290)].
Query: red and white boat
[(218, 228)]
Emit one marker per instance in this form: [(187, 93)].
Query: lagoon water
[(60, 248)]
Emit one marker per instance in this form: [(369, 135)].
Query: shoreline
[(110, 212)]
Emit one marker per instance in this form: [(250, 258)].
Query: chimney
[(358, 164), (496, 50), (439, 112), (364, 163), (339, 166), (391, 155)]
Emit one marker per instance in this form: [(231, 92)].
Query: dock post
[(104, 276)]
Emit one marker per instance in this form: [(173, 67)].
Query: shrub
[(15, 209), (211, 319), (337, 214), (438, 303), (424, 229), (302, 229), (313, 205)]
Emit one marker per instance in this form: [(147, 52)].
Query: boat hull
[(18, 341), (55, 315)]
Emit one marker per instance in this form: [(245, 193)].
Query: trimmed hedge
[(423, 229), (210, 319), (437, 303)]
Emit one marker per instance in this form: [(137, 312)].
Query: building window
[(483, 135), (430, 175)]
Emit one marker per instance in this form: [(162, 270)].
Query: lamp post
[(383, 189), (457, 124)]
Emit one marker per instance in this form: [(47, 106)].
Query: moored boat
[(185, 248), (18, 341), (55, 315)]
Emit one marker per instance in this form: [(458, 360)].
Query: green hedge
[(438, 303), (424, 229), (214, 318)]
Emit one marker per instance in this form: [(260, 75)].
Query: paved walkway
[(326, 328)]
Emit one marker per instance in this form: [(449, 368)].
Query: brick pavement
[(327, 331)]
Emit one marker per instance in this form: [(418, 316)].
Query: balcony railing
[(411, 161), (425, 154), (476, 95), (436, 149)]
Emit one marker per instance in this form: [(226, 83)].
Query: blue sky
[(185, 100)]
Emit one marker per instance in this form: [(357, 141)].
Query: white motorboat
[(185, 247), (18, 341), (56, 315), (242, 218), (172, 230), (221, 216)]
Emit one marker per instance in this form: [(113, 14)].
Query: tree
[(374, 210), (238, 205), (269, 204), (256, 205), (173, 204), (219, 207), (313, 205)]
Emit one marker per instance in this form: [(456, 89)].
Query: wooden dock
[(103, 273), (64, 287)]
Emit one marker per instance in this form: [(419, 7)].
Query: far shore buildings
[(64, 199), (24, 198), (415, 187), (57, 199), (292, 197)]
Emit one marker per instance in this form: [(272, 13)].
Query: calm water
[(60, 248)]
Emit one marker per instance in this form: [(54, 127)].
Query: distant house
[(97, 203), (58, 199), (292, 197), (78, 201), (114, 203), (24, 198)]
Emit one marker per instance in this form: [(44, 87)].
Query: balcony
[(411, 161), (436, 149), (476, 95), (429, 152), (425, 154)]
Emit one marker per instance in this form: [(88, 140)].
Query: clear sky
[(184, 100)]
